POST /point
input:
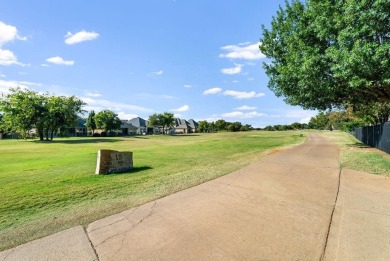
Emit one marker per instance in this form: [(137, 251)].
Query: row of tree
[(370, 113), (165, 120), (293, 126), (24, 110), (222, 125), (105, 120), (348, 119)]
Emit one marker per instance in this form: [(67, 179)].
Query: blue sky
[(198, 59)]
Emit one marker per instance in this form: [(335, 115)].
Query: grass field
[(356, 156), (47, 187)]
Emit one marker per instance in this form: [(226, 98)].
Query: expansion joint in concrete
[(331, 216), (90, 242)]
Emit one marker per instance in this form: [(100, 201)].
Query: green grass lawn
[(47, 187), (356, 156)]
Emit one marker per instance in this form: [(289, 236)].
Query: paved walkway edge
[(70, 244), (331, 216), (361, 223)]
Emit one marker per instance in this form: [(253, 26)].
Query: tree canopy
[(25, 110), (164, 120), (107, 120), (91, 121), (327, 53)]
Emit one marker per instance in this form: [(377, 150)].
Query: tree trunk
[(40, 132)]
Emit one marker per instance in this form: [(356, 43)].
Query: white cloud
[(177, 115), (6, 85), (248, 52), (251, 79), (305, 120), (212, 118), (29, 83), (8, 33), (126, 116), (181, 109), (100, 104), (44, 65), (302, 115), (59, 60), (244, 43), (8, 58), (245, 108), (235, 81), (233, 70), (214, 90), (3, 76), (79, 37), (243, 95), (92, 94), (158, 72), (243, 115), (187, 86)]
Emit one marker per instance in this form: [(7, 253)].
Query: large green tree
[(373, 112), (107, 120), (61, 112), (25, 110), (320, 121), (221, 125), (154, 120), (327, 53), (91, 124), (167, 120)]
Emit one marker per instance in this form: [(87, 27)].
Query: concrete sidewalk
[(279, 208), (361, 222)]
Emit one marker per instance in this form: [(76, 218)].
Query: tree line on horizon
[(23, 111)]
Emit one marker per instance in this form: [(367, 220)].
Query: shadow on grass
[(184, 135), (359, 145), (80, 141), (134, 170)]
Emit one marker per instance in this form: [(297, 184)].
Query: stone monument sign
[(112, 161)]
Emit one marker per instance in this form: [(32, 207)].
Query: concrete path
[(70, 244), (280, 208), (361, 222)]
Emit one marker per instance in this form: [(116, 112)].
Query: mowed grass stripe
[(47, 187)]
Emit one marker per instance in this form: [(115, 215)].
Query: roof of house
[(181, 124), (193, 124), (138, 122), (127, 125)]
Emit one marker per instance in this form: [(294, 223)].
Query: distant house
[(79, 129), (142, 126), (193, 126), (181, 126), (128, 128)]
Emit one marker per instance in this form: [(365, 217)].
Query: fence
[(377, 136)]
